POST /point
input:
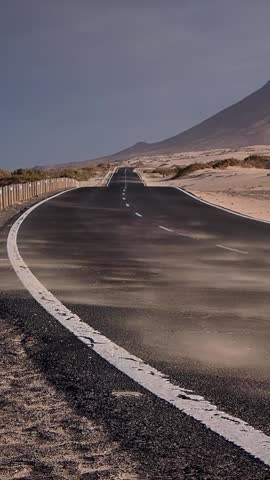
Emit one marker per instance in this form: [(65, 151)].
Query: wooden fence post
[(16, 193)]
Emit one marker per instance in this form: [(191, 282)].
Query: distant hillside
[(244, 123), (137, 149)]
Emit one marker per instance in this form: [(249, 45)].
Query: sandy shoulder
[(41, 436), (245, 191)]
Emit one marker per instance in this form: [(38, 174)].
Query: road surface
[(182, 289)]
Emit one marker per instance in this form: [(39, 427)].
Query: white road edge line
[(140, 177), (233, 212), (244, 252), (165, 228), (110, 176), (233, 429), (138, 214)]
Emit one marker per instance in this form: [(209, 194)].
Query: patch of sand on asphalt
[(40, 435)]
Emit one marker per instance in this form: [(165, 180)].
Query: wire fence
[(16, 193)]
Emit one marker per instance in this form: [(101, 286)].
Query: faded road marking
[(165, 228), (244, 252)]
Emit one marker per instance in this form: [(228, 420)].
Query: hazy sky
[(83, 78)]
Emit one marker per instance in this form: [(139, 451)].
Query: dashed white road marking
[(187, 235), (138, 214), (233, 429), (127, 205), (244, 252), (165, 228)]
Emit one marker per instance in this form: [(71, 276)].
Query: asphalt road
[(181, 285)]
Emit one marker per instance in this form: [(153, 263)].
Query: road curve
[(179, 284)]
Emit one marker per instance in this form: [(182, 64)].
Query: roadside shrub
[(257, 161), (187, 170), (227, 162), (4, 173), (24, 175), (252, 161)]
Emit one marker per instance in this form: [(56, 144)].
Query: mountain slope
[(137, 149), (245, 123)]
